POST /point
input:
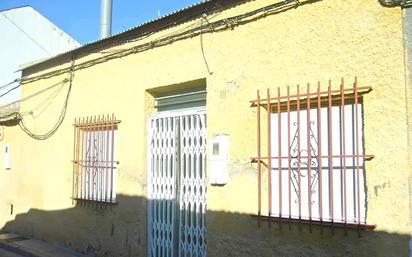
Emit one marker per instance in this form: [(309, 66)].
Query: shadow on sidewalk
[(121, 230)]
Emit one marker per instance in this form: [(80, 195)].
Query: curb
[(31, 247), (16, 249)]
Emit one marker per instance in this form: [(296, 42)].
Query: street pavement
[(5, 253), (14, 245)]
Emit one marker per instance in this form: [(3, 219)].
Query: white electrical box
[(7, 157), (219, 159)]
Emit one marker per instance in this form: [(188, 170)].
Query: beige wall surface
[(407, 37), (316, 41)]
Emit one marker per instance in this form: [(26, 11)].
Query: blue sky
[(80, 18)]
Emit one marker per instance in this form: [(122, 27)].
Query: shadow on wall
[(91, 228), (121, 230)]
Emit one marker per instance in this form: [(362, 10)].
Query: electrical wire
[(37, 110), (35, 94), (61, 117), (10, 83), (142, 36), (10, 90), (202, 46), (44, 105), (220, 25), (19, 116)]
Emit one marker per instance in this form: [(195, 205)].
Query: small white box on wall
[(219, 159), (7, 157)]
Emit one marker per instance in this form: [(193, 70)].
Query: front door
[(177, 184)]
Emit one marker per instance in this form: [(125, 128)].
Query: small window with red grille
[(315, 155), (94, 158)]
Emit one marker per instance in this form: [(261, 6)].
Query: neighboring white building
[(26, 36)]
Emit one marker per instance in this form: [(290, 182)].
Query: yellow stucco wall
[(314, 42)]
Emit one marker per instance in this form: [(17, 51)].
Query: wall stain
[(381, 187)]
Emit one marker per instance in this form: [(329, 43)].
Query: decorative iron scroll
[(315, 155), (94, 158), (297, 162)]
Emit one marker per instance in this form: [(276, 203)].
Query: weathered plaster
[(318, 41), (407, 37)]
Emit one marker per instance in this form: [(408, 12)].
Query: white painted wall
[(26, 36)]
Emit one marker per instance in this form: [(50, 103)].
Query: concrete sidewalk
[(29, 247), (5, 253)]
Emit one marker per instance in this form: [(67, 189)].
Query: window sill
[(361, 226)]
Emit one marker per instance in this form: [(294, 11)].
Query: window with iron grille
[(94, 158), (315, 155)]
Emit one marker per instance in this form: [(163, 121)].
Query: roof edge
[(46, 18), (172, 19), (17, 7)]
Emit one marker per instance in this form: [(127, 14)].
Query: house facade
[(157, 141)]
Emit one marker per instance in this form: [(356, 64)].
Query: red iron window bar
[(94, 164), (315, 155)]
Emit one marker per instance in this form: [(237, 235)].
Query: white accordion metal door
[(177, 185), (192, 225)]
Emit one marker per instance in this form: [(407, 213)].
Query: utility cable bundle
[(53, 130)]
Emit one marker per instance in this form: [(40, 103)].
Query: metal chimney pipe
[(105, 18)]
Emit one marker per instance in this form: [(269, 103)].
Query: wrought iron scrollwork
[(299, 162)]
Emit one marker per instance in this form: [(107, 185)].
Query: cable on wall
[(61, 117), (202, 45), (34, 94), (19, 116), (216, 26)]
